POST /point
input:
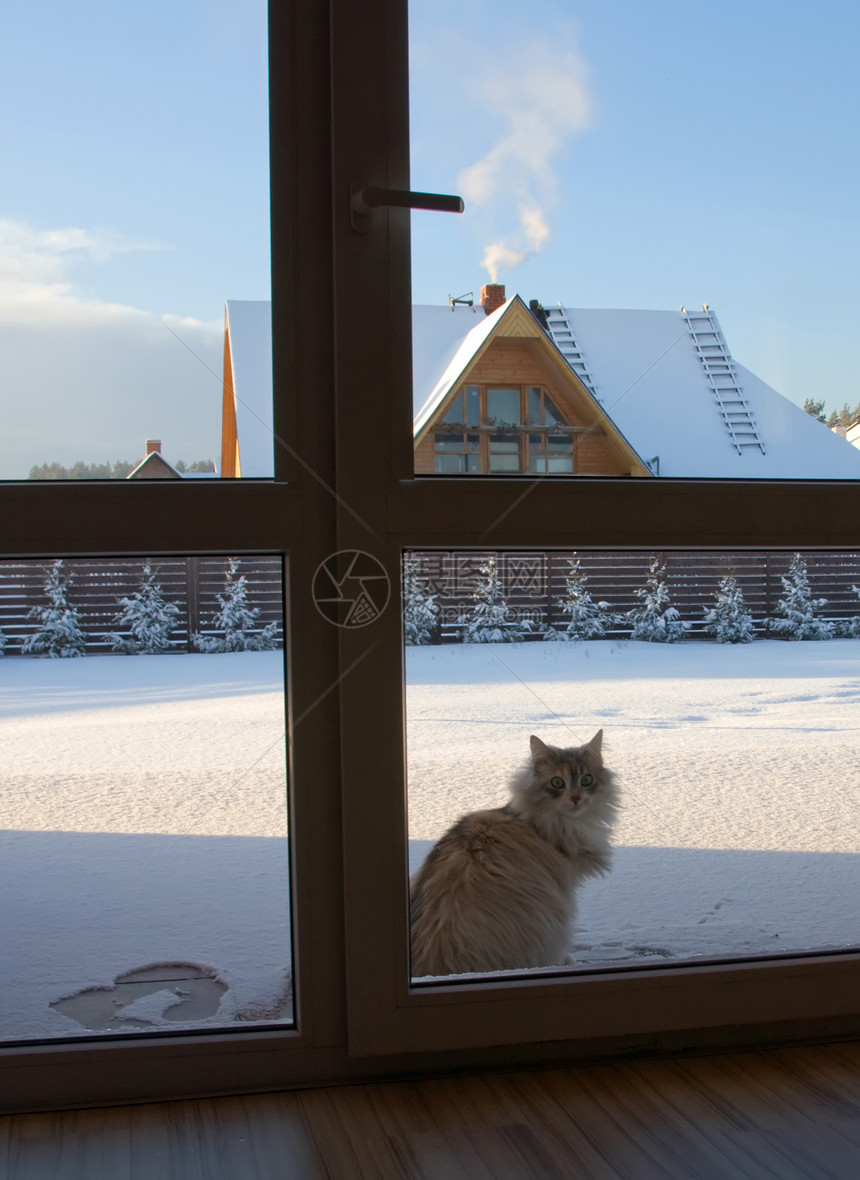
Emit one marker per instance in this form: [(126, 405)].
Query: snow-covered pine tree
[(2, 644), (420, 610), (798, 609), (237, 620), (490, 620), (656, 620), (59, 635), (586, 619), (729, 620), (147, 619), (852, 627)]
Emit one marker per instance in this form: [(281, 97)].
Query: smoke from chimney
[(544, 99)]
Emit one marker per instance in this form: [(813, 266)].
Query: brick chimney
[(492, 296), (153, 444)]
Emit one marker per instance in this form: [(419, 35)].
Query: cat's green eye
[(586, 780), (557, 783)]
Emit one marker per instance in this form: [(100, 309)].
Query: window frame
[(387, 1014), (339, 118)]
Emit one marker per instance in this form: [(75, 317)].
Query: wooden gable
[(519, 354), (230, 465)]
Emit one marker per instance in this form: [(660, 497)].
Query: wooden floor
[(790, 1114)]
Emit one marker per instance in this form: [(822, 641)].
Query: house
[(502, 387), (154, 465)]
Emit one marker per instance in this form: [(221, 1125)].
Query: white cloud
[(541, 92), (37, 271), (87, 379)]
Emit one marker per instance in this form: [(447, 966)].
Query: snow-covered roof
[(154, 466), (445, 340), (647, 374), (250, 329), (650, 379)]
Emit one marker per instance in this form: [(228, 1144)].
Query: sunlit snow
[(143, 811)]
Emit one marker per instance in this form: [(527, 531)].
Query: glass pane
[(450, 464), (124, 236), (144, 873), (534, 415), (449, 442), (551, 415), (671, 323), (503, 406), (455, 411), (724, 687), (473, 406), (502, 463)]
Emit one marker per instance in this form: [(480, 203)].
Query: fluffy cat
[(498, 890)]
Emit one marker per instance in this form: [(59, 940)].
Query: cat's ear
[(595, 744), (538, 748)]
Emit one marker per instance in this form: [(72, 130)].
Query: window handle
[(363, 201)]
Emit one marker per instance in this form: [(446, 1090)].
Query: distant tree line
[(118, 470), (844, 417)]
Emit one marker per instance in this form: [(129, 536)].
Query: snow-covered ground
[(143, 819), (142, 808), (739, 767)]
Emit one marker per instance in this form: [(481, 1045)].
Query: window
[(344, 483), (457, 454), (497, 451)]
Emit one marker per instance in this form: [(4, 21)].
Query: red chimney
[(153, 444), (492, 296)]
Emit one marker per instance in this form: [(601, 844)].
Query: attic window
[(503, 407), (550, 454), (457, 454), (464, 410), (542, 410)]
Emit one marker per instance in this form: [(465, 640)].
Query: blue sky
[(711, 156), (634, 155), (134, 142)]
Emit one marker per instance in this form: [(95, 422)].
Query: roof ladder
[(565, 341), (722, 378)]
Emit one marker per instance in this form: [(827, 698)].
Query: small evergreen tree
[(656, 620), (147, 619), (852, 629), (420, 610), (586, 619), (237, 620), (490, 620), (2, 644), (798, 609), (59, 635), (729, 620)]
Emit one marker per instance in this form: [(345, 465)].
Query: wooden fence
[(96, 585), (534, 582)]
